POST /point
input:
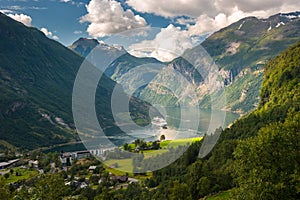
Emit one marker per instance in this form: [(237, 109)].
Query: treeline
[(257, 158), (261, 167)]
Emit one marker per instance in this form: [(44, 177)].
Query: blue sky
[(178, 24), (63, 18)]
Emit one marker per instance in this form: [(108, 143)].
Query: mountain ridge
[(37, 76), (240, 50)]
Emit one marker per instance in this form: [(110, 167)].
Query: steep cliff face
[(241, 50)]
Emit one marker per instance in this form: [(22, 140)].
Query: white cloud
[(25, 19), (46, 32), (184, 21), (55, 37), (205, 24), (211, 15), (15, 7), (6, 11), (49, 34), (19, 8), (78, 4), (168, 44), (171, 8), (77, 32), (107, 17), (211, 8)]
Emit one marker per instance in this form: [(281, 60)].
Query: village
[(87, 173), (79, 169)]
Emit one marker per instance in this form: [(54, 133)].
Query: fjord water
[(198, 122), (178, 127)]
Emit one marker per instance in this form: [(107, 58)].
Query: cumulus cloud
[(46, 32), (171, 8), (211, 15), (49, 34), (108, 17), (25, 19), (168, 44), (211, 8), (205, 24)]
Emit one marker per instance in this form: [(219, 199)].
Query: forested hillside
[(258, 157)]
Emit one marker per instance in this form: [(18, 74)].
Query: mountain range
[(242, 49), (257, 157), (37, 76), (240, 52)]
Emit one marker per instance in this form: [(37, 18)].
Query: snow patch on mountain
[(292, 16), (270, 28), (279, 24), (241, 25)]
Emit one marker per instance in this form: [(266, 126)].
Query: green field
[(121, 173), (176, 143), (125, 165), (24, 174)]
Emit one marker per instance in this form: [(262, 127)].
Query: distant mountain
[(146, 70), (240, 52), (36, 83), (116, 62), (126, 62), (242, 49), (84, 46), (119, 61)]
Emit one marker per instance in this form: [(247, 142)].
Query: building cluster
[(10, 163), (69, 157)]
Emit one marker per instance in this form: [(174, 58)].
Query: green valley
[(255, 62)]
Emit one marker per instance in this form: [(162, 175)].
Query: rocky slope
[(242, 49)]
